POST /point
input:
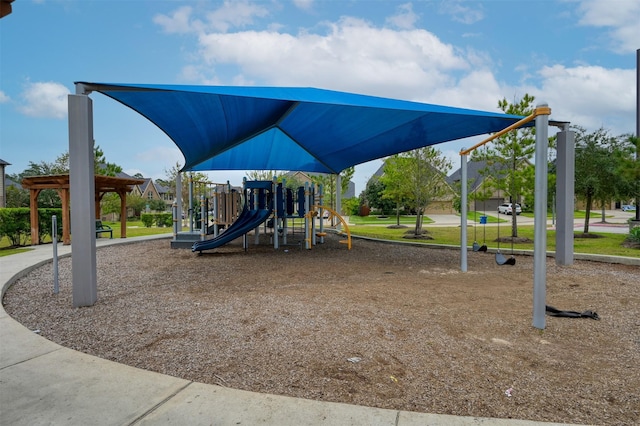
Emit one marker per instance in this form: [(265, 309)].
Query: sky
[(578, 56)]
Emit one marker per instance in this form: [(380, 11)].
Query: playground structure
[(216, 205), (267, 203)]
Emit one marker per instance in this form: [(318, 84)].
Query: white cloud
[(462, 11), (178, 22), (590, 96), (405, 19), (160, 154), (622, 17), (303, 4), (352, 55), (45, 99), (235, 14), (4, 98), (232, 14)]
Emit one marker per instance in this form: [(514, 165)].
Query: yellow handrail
[(334, 213), (538, 111)]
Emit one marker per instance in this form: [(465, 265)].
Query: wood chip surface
[(382, 325)]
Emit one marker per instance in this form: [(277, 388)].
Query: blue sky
[(579, 56)]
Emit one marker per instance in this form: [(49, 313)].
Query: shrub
[(44, 223), (634, 234), (15, 224), (164, 219), (147, 219), (350, 206)]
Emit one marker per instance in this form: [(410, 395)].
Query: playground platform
[(42, 382)]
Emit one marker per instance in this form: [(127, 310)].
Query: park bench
[(103, 229)]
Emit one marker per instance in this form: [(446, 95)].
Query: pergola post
[(33, 216), (82, 185), (66, 231), (123, 212)]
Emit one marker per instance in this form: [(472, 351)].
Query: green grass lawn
[(608, 244), (577, 214), (475, 217), (386, 220), (134, 229)]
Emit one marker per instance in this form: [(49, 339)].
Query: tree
[(157, 205), (262, 175), (421, 174), (373, 196), (49, 198), (137, 203), (17, 197), (171, 175), (510, 154), (596, 174), (110, 203), (629, 169), (395, 189), (328, 182)]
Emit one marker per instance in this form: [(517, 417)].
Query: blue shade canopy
[(284, 128)]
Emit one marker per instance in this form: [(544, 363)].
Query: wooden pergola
[(60, 183)]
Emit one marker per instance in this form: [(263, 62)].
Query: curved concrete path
[(43, 383)]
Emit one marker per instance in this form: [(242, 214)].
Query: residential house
[(480, 182), (307, 177), (441, 205)]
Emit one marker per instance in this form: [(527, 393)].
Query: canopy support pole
[(463, 213), (540, 221), (565, 188), (83, 212), (338, 198)]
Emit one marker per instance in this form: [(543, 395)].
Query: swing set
[(500, 258)]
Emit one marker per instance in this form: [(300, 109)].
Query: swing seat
[(478, 247), (501, 260)]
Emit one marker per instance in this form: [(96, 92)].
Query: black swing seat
[(501, 260), (478, 247), (550, 310)]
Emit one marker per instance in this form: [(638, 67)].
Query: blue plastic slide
[(248, 220)]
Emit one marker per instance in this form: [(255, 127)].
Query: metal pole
[(203, 218), (276, 204), (216, 211), (191, 212), (540, 222), (174, 211), (179, 198), (463, 213), (54, 237), (637, 124)]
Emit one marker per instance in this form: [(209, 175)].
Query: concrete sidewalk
[(43, 383)]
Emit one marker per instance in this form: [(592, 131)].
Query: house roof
[(284, 128), (474, 172)]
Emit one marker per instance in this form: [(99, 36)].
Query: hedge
[(159, 219), (15, 224)]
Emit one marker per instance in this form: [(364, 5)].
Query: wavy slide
[(248, 220)]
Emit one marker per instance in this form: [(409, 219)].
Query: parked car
[(628, 208), (506, 208)]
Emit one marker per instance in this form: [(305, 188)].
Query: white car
[(628, 208), (506, 208)]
